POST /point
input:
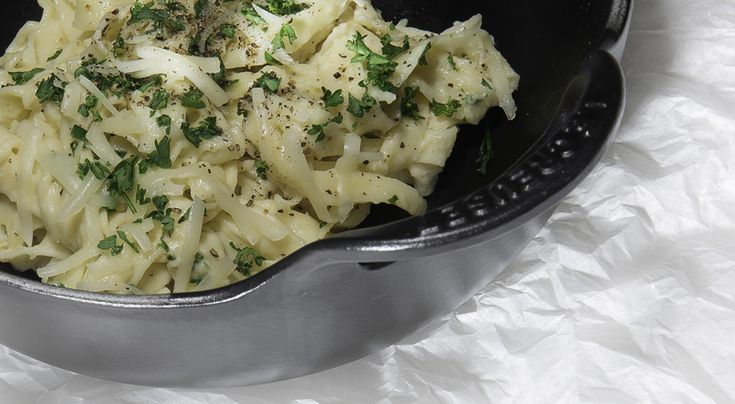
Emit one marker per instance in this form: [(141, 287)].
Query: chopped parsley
[(110, 243), (161, 19), (164, 121), (284, 7), (161, 157), (261, 169), (185, 216), (24, 77), (332, 99), (252, 15), (162, 214), (422, 59), (79, 133), (409, 106), (122, 180), (359, 107), (391, 51), (452, 63), (159, 101), (55, 55), (448, 109), (207, 129), (486, 84), (393, 200), (118, 47), (221, 77), (164, 246), (48, 90), (246, 258), (486, 152), (95, 167), (318, 130), (379, 68), (140, 196), (124, 237), (193, 99), (286, 32), (228, 30), (270, 59), (89, 108), (269, 82), (199, 7)]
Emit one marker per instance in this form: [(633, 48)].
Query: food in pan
[(177, 146)]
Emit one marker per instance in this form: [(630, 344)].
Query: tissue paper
[(627, 295)]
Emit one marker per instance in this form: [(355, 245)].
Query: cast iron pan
[(342, 298)]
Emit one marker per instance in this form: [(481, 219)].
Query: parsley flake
[(448, 109), (24, 77), (193, 99), (332, 99), (207, 129), (246, 258), (409, 106), (359, 107), (269, 82)]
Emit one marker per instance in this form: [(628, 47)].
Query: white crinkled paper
[(627, 296)]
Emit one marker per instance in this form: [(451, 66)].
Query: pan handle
[(583, 129), (618, 26)]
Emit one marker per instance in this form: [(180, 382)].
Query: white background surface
[(627, 296)]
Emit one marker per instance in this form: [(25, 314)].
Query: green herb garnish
[(318, 130), (122, 180), (162, 214), (24, 77), (126, 240), (207, 129), (252, 15), (79, 133), (452, 63), (409, 106), (287, 32), (448, 109), (199, 7), (391, 51), (158, 101), (359, 107), (161, 157), (164, 121), (379, 68), (89, 108), (284, 7), (161, 19), (246, 258), (269, 82), (486, 152), (228, 30), (193, 99), (110, 243), (332, 99), (261, 169), (48, 90), (55, 55), (95, 167)]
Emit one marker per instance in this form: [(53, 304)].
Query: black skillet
[(342, 298)]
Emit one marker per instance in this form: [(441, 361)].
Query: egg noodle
[(176, 146)]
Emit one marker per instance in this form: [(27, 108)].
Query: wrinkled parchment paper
[(627, 296)]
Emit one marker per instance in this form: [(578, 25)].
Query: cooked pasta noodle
[(176, 146)]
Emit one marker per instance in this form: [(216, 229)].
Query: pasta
[(177, 146)]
